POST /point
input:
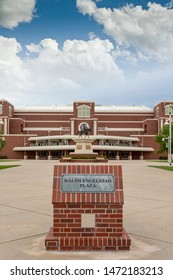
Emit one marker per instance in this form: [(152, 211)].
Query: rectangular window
[(84, 111), (0, 109), (10, 111), (169, 109), (157, 112)]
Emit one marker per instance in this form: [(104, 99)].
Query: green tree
[(162, 139), (2, 142)]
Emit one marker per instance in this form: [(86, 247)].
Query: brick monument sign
[(87, 208)]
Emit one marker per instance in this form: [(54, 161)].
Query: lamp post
[(169, 110)]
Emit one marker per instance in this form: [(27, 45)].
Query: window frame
[(84, 111)]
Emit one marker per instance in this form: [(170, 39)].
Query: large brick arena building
[(118, 132)]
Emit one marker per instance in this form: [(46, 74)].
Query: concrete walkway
[(26, 212)]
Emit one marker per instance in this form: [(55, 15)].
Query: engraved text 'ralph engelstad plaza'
[(88, 183)]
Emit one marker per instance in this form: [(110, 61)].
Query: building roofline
[(5, 100), (97, 109), (74, 137), (83, 101), (164, 101)]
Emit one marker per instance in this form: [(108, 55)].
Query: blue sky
[(111, 52)]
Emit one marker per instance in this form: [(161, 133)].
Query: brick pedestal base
[(71, 230), (87, 243)]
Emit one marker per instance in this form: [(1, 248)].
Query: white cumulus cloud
[(148, 31), (13, 12), (13, 73), (81, 69)]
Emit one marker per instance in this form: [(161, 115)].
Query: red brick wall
[(123, 116), (11, 142), (161, 107), (5, 108), (150, 126), (148, 141), (16, 126), (42, 116), (120, 124)]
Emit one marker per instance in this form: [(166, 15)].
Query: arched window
[(84, 111)]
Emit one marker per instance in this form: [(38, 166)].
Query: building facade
[(118, 132)]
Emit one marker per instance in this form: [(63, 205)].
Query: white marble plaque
[(86, 183)]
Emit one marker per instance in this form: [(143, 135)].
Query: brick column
[(141, 156), (25, 155), (130, 156), (49, 156), (36, 155), (117, 155)]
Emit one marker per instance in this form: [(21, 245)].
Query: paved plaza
[(26, 212)]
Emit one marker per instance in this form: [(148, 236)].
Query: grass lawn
[(7, 166), (157, 160), (8, 160), (168, 168)]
